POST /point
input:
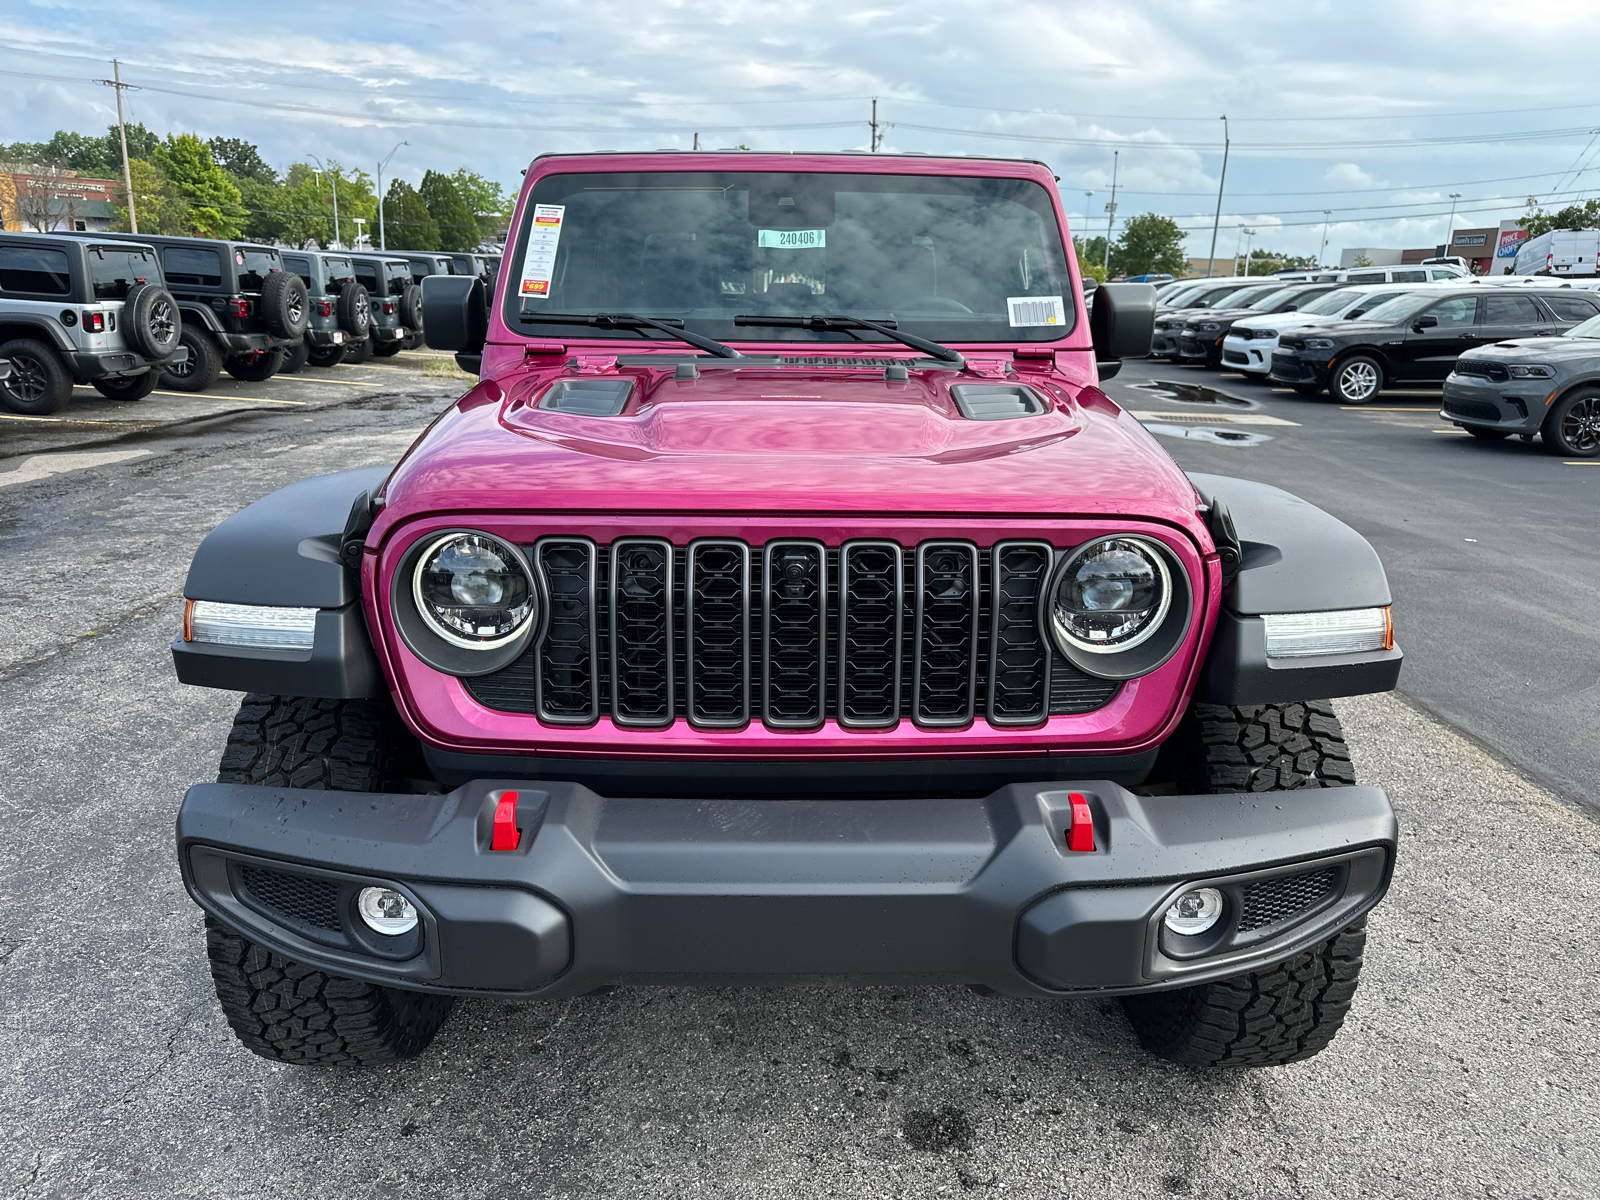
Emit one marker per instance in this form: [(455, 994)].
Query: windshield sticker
[(792, 239), (1036, 310), (538, 263)]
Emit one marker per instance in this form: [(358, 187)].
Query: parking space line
[(229, 396), (1463, 432), (65, 420), (1584, 462), (1427, 408), (337, 382)]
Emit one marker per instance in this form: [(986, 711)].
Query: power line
[(1211, 147)]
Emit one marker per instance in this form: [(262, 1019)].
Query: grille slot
[(1272, 900), (717, 633), (299, 898), (944, 670), (1483, 370), (643, 678), (569, 681), (1019, 662), (871, 591), (794, 598), (1482, 410)]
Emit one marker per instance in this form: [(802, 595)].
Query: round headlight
[(473, 590), (1111, 596)]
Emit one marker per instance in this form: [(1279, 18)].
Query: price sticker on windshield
[(792, 239), (1026, 311), (539, 260)]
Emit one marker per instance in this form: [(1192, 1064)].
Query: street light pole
[(333, 181), (383, 241), (1217, 221), (1450, 228), (1249, 248), (1327, 215), (1111, 212)]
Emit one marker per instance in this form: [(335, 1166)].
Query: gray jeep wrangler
[(81, 310), (338, 306)]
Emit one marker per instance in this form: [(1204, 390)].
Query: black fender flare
[(195, 313), (290, 549), (1291, 557), (48, 326)]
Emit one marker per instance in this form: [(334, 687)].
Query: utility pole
[(1327, 215), (333, 180), (697, 140), (383, 241), (877, 136), (122, 129), (1249, 248), (1111, 212), (1221, 183)]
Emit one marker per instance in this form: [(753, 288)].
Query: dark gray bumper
[(1513, 406), (252, 343), (603, 891)]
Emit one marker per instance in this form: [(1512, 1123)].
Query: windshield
[(1178, 297), (1397, 308), (114, 270), (1588, 329), (1272, 299), (963, 259), (1329, 303)]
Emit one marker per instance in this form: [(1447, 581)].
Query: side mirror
[(455, 312), (1427, 322), (1122, 323)]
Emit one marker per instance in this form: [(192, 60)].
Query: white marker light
[(1349, 631), (262, 626)]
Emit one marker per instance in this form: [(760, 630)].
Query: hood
[(1540, 349), (789, 440), (1287, 319)]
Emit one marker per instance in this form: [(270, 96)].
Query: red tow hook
[(1080, 834), (505, 823)]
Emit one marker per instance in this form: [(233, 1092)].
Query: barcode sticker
[(1036, 310)]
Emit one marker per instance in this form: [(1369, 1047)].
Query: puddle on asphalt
[(1193, 393), (1217, 437)]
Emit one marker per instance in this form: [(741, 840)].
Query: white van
[(1413, 274), (1559, 252)]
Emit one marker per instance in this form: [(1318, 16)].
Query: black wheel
[(150, 320), (387, 349), (135, 387), (411, 308), (203, 366), (1291, 1010), (1488, 435), (1307, 389), (280, 1009), (326, 356), (1356, 380), (295, 357), (254, 368), (354, 310), (361, 350), (285, 305), (39, 383), (1571, 427)]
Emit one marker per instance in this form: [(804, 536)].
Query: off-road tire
[(285, 304), (1572, 426), (293, 1013), (326, 356), (151, 322), (203, 367), (135, 387), (258, 367), (360, 350), (39, 382), (1356, 380), (411, 309), (387, 349), (295, 357), (1291, 1010), (354, 310), (288, 1011)]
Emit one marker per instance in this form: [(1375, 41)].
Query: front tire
[(1571, 428), (1356, 380), (287, 1011), (295, 357), (1291, 1010)]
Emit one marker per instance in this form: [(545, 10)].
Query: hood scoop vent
[(996, 402), (588, 397)]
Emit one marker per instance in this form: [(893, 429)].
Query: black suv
[(79, 309), (396, 306), (1200, 337), (475, 265), (241, 309), (339, 307), (1226, 294), (1417, 337)]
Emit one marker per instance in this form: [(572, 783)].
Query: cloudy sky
[(1376, 111)]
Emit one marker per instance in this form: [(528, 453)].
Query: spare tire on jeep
[(411, 307), (285, 304), (150, 320), (354, 310)]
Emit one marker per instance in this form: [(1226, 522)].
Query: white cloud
[(1347, 175)]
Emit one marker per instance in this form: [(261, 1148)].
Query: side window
[(1510, 310), (1571, 308), (1441, 273), (195, 266), (35, 270), (301, 266), (1409, 277), (1367, 277), (1456, 313), (367, 278)]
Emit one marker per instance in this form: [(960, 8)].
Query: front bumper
[(604, 891), (1252, 356), (1514, 405), (1197, 347), (1293, 366)]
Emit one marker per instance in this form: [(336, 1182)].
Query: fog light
[(1191, 913), (387, 911)]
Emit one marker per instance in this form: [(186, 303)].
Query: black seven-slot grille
[(791, 634)]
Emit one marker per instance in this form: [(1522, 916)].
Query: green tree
[(84, 153), (1265, 262), (488, 202), (458, 228), (214, 203), (242, 160), (1150, 244), (156, 201), (1573, 216), (407, 222), (1091, 258), (141, 142), (1361, 260)]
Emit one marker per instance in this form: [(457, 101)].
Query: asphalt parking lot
[(1466, 1070)]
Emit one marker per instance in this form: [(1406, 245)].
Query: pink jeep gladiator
[(786, 604)]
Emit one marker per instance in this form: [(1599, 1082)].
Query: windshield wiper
[(824, 324), (671, 326)]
